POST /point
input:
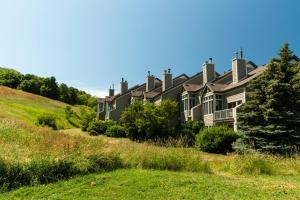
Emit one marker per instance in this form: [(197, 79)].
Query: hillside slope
[(27, 107)]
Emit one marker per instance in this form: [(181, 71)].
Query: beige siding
[(173, 94), (196, 112), (235, 95), (120, 104), (208, 120)]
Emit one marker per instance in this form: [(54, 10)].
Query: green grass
[(25, 106), (149, 171), (149, 184)]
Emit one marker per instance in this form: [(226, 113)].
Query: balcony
[(224, 115)]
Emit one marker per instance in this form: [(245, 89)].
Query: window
[(231, 105), (234, 104), (219, 102), (192, 100), (188, 101), (184, 102), (208, 105)]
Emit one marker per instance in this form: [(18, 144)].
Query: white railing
[(224, 114)]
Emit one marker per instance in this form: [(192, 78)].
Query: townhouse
[(206, 96)]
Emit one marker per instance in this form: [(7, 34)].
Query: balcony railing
[(224, 114)]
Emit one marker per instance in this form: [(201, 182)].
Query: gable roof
[(176, 81), (219, 86)]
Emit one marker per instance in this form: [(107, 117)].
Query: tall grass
[(32, 155)]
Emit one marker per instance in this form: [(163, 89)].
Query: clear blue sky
[(91, 44)]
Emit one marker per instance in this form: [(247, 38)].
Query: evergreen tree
[(270, 119)]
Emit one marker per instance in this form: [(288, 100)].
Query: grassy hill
[(110, 168), (17, 104)]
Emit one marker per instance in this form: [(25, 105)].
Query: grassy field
[(131, 170), (17, 104), (152, 184)]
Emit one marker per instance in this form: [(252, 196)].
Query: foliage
[(46, 120), (194, 126), (116, 131), (270, 119), (149, 121), (217, 139), (32, 86), (10, 78), (41, 171), (187, 137), (47, 87), (87, 115), (71, 116), (98, 127)]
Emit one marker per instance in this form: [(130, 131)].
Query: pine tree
[(270, 119)]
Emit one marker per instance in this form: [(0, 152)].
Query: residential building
[(206, 96)]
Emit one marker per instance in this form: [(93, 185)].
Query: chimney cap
[(241, 53), (148, 73), (169, 70)]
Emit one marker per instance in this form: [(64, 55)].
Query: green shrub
[(187, 137), (41, 171), (149, 121), (47, 120), (45, 171), (72, 117), (194, 126), (87, 115), (12, 176), (98, 127), (217, 139), (116, 131), (104, 163)]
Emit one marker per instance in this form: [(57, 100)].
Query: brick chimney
[(150, 82), (209, 73), (239, 69), (124, 86), (111, 91), (167, 79)]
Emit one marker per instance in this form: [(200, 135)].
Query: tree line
[(47, 87)]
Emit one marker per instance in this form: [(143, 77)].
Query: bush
[(104, 163), (187, 137), (150, 121), (47, 120), (116, 131), (98, 127), (217, 139), (42, 171), (87, 115), (194, 126)]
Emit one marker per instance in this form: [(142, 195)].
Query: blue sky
[(91, 44)]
